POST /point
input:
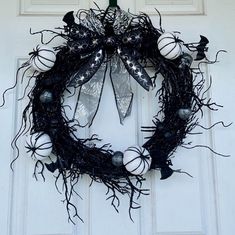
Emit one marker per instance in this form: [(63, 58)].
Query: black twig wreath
[(118, 41)]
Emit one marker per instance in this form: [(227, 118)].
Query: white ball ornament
[(43, 58), (38, 145), (169, 46), (137, 160)]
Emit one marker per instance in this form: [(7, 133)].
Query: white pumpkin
[(137, 160), (43, 58), (168, 46), (38, 145)]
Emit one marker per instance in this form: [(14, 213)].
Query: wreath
[(98, 42)]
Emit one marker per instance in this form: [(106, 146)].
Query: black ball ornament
[(110, 42), (169, 135), (46, 97), (184, 113), (186, 60), (117, 159)]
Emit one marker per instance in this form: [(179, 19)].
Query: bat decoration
[(200, 48), (69, 19), (97, 44)]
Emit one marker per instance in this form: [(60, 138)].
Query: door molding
[(50, 7), (171, 7)]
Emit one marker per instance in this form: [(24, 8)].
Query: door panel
[(169, 7)]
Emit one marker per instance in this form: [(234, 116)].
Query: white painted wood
[(30, 198), (49, 7), (173, 204), (171, 7), (202, 205)]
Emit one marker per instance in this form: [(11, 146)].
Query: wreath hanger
[(113, 3)]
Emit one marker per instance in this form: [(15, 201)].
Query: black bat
[(69, 19), (201, 48)]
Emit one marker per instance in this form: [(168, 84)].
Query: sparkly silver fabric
[(122, 89), (90, 93), (93, 23), (121, 22)]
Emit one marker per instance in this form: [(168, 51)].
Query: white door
[(180, 205)]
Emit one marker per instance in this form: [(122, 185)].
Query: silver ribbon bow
[(90, 77)]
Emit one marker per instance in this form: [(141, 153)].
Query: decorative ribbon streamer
[(90, 93), (89, 97), (120, 79)]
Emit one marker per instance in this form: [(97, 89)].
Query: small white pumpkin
[(168, 46), (137, 160), (43, 58), (38, 145)]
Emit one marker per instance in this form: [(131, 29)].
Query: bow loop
[(86, 72)]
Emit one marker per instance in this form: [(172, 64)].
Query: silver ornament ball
[(186, 60), (46, 97), (117, 159), (184, 113)]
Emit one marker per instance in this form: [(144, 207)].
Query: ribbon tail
[(120, 80), (134, 68), (89, 97)]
